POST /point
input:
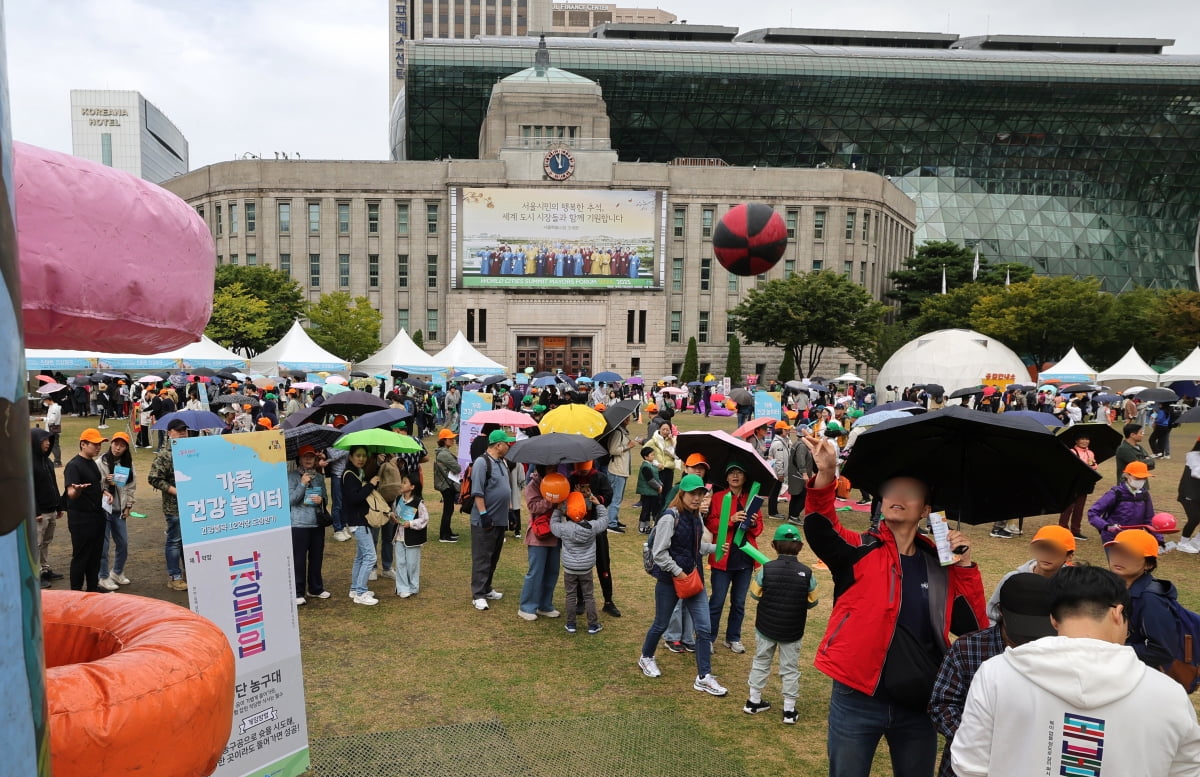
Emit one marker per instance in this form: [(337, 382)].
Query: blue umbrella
[(380, 419), (1045, 419), (909, 407), (695, 384), (196, 420), (544, 382), (870, 419), (607, 377), (583, 379), (1107, 397)]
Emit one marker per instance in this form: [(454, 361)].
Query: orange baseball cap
[(122, 436), (696, 460), (1058, 536), (446, 434), (651, 408), (1139, 541), (245, 407), (266, 423), (1138, 469), (782, 426), (600, 408), (339, 421), (92, 435), (583, 466)]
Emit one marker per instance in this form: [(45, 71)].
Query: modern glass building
[(1075, 162)]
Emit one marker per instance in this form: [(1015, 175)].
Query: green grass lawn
[(432, 660)]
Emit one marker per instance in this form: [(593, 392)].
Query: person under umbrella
[(1072, 517), (731, 573)]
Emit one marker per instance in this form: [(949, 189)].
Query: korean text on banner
[(472, 402), (235, 520), (768, 404)]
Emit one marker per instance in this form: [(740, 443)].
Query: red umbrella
[(747, 429), (45, 378), (503, 418)]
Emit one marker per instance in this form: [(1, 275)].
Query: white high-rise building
[(123, 129)]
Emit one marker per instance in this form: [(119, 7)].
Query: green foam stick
[(724, 527), (754, 553), (739, 535)]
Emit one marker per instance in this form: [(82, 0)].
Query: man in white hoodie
[(1081, 703)]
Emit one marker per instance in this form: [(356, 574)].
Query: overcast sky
[(310, 76)]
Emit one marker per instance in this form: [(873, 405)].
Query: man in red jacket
[(894, 609)]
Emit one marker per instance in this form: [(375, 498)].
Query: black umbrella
[(1191, 416), (613, 416), (1104, 440), (319, 437), (1160, 395), (359, 374), (399, 374), (567, 381), (99, 377), (555, 448), (543, 375), (417, 383), (935, 389), (235, 399), (228, 373), (380, 419), (985, 467), (492, 380), (203, 372), (1078, 388), (741, 396), (722, 449), (349, 403), (899, 404), (966, 392)]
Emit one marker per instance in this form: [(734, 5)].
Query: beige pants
[(45, 533)]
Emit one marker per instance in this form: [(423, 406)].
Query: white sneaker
[(107, 584), (549, 613), (368, 599), (480, 604), (323, 595), (119, 579), (528, 616), (373, 576), (341, 536), (389, 573), (735, 645), (301, 600), (364, 593), (1189, 544), (649, 666), (494, 595), (709, 684)]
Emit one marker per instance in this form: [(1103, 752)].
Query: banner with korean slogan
[(472, 402), (768, 404), (235, 519)]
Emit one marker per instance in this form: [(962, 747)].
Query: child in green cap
[(785, 591)]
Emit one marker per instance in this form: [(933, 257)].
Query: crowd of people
[(914, 648)]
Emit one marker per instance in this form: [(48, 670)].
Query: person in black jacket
[(86, 519), (45, 499), (356, 488), (787, 592)]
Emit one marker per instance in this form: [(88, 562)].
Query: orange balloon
[(555, 488), (576, 506)]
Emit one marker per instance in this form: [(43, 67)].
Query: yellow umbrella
[(573, 419)]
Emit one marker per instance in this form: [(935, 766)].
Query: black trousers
[(87, 540), (651, 507), (795, 505), (603, 570), (486, 545), (308, 554), (1158, 439), (449, 503)]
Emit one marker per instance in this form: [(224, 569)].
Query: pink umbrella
[(150, 379), (747, 429), (304, 385), (503, 418), (51, 388), (674, 390)]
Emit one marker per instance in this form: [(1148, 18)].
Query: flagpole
[(975, 268), (943, 278)]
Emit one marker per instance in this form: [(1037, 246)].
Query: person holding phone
[(731, 573), (86, 518)]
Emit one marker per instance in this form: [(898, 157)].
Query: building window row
[(477, 325)]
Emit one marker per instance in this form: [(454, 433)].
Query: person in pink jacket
[(537, 594)]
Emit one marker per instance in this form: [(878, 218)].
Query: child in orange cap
[(1133, 557), (1126, 504), (1053, 548)]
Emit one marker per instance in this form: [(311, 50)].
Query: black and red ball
[(750, 239)]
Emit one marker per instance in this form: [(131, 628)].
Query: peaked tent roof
[(462, 356), (1188, 369), (1072, 367), (297, 351), (206, 353), (400, 354), (1131, 366)]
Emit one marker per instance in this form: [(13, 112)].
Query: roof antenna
[(541, 60)]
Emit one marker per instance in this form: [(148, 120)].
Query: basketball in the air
[(750, 239)]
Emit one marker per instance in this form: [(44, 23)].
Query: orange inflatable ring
[(134, 686)]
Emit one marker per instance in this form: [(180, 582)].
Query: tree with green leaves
[(951, 310), (733, 359), (238, 317), (345, 326), (1137, 319), (891, 338), (921, 277), (787, 369), (1178, 321), (418, 339), (1042, 318), (808, 313), (282, 296), (691, 363)]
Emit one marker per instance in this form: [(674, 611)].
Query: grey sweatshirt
[(579, 539)]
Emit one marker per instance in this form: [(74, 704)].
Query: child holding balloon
[(577, 522)]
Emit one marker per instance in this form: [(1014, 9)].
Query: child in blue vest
[(785, 590), (411, 534)]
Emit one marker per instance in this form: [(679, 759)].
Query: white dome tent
[(954, 359)]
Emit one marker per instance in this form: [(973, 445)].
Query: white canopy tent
[(1070, 369), (952, 358), (1131, 366), (848, 377), (297, 351), (1188, 369), (401, 354), (206, 353), (460, 355)]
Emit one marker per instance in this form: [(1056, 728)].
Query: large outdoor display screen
[(558, 238)]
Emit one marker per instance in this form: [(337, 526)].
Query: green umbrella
[(379, 441)]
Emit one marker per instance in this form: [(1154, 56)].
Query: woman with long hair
[(116, 467)]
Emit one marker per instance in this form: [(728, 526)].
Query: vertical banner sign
[(235, 518), (768, 404), (726, 385), (472, 402)]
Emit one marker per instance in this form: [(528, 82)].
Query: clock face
[(559, 164)]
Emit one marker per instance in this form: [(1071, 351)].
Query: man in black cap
[(1024, 617)]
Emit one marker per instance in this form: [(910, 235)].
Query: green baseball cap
[(691, 483), (500, 436), (731, 466), (788, 533)]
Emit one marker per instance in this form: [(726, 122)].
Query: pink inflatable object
[(108, 261), (1164, 522)]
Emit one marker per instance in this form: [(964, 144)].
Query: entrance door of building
[(572, 355)]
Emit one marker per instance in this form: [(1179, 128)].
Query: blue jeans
[(697, 607), (118, 529), (364, 559), (336, 488), (174, 548), (618, 487), (857, 721), (538, 591), (722, 581), (680, 628)]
